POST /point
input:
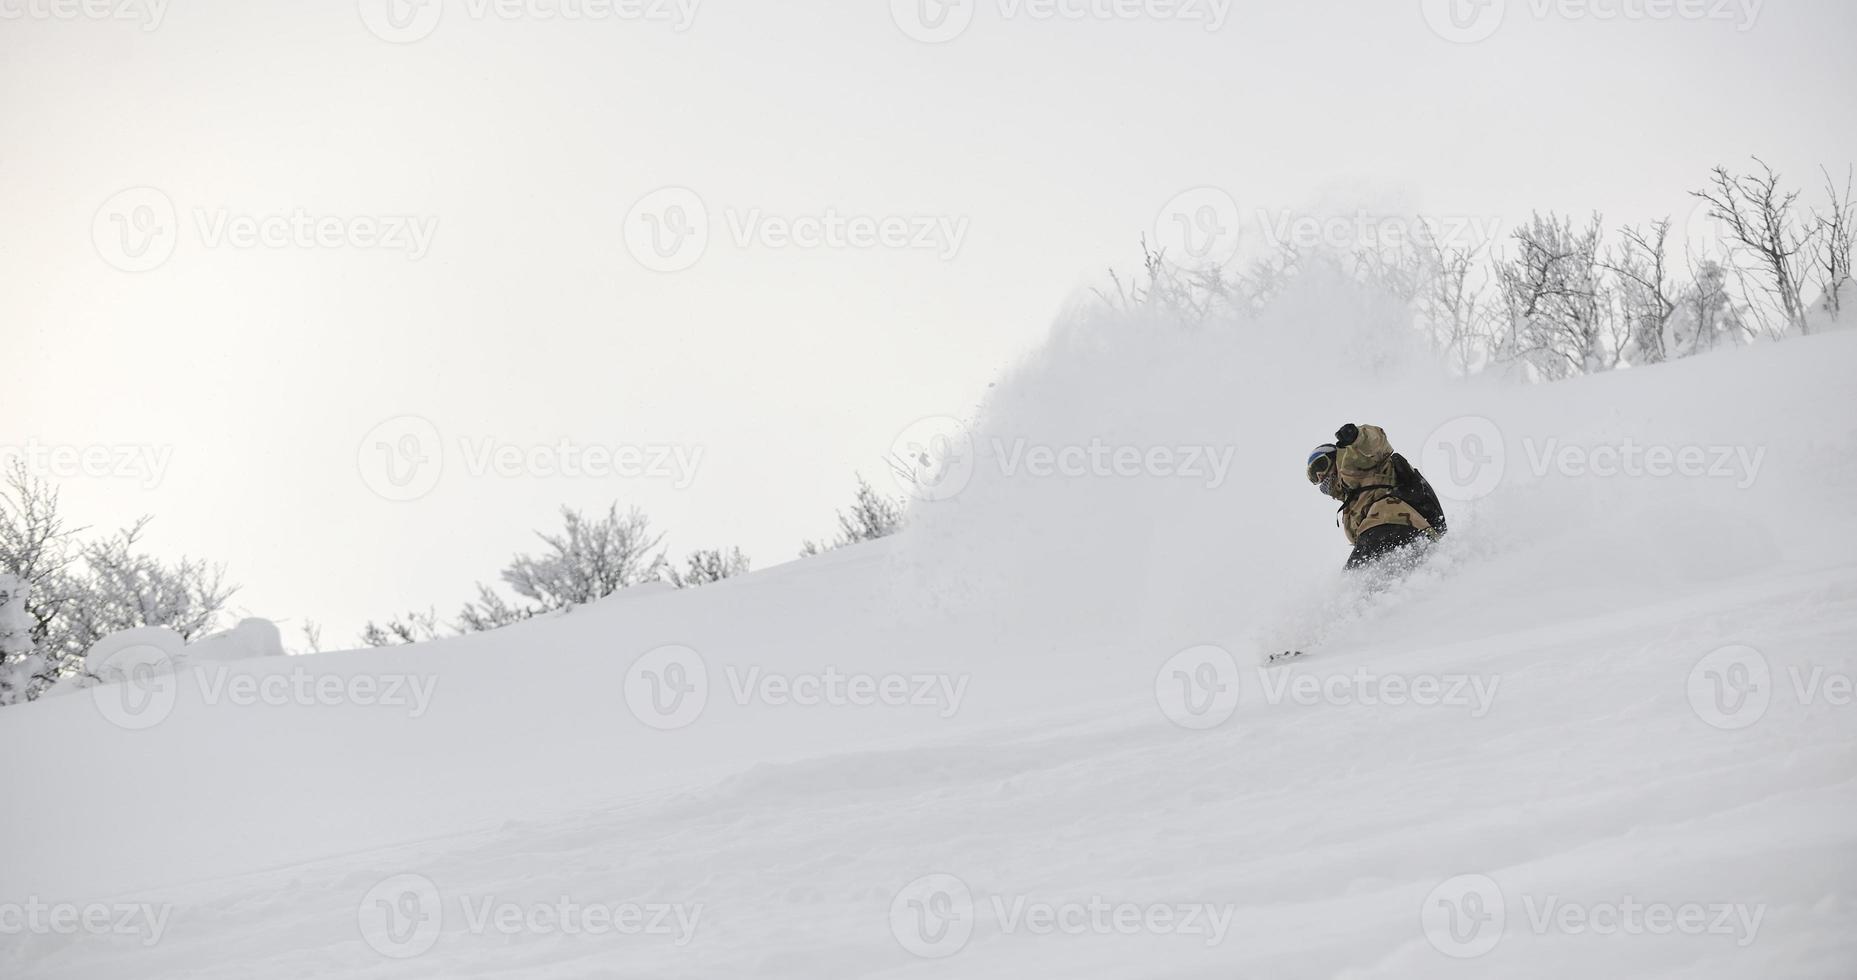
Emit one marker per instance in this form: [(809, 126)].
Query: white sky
[(1054, 143)]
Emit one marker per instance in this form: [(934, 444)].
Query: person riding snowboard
[(1386, 505)]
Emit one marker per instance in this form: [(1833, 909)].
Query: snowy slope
[(1621, 811)]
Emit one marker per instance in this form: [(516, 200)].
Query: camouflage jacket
[(1364, 483)]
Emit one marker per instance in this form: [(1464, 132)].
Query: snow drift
[(792, 752)]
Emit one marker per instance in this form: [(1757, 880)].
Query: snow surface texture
[(1605, 731)]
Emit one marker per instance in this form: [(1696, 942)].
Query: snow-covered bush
[(586, 560), (113, 658), (250, 637), (871, 516), (18, 663), (72, 593), (707, 565)]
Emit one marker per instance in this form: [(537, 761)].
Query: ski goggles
[(1320, 468)]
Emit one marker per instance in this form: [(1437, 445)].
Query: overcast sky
[(327, 288)]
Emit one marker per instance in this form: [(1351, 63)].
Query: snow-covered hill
[(1607, 731)]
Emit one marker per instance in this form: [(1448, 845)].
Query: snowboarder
[(1387, 508)]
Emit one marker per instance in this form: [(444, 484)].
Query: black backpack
[(1410, 486)]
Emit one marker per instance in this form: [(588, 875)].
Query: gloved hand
[(1345, 436)]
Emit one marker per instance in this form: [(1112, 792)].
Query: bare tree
[(1645, 293), (587, 560), (414, 627), (1833, 232), (37, 546), (1190, 295), (1706, 316), (126, 588), (1454, 312), (1758, 216), (1559, 310), (491, 611)]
